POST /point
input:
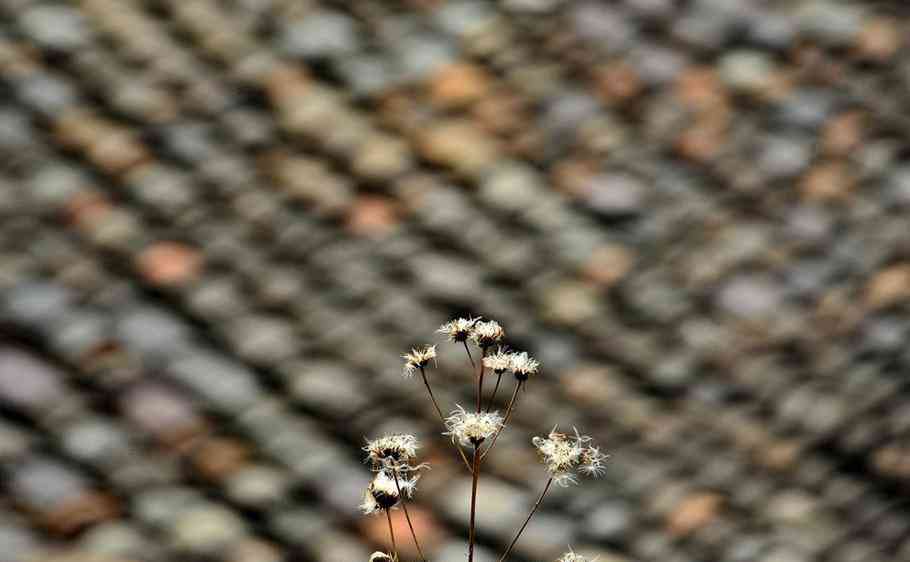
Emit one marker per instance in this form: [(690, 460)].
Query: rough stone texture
[(222, 223)]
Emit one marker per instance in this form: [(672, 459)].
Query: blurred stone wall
[(223, 221)]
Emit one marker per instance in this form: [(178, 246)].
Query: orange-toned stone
[(780, 455), (372, 216), (880, 39), (458, 84), (693, 513), (117, 152), (78, 513), (86, 208), (572, 176), (700, 88), (286, 83), (426, 527), (169, 263), (889, 286), (220, 457), (459, 144), (78, 128), (702, 142), (830, 181), (500, 113), (843, 133), (616, 82), (608, 264)]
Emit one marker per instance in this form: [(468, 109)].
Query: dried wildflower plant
[(393, 457)]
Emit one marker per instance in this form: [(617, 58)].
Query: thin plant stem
[(476, 475), (388, 515), (468, 352), (495, 390), (442, 418), (525, 524), (407, 516), (505, 420), (483, 353)]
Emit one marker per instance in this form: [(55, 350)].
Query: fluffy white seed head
[(395, 451), (570, 556), (486, 333), (498, 362), (380, 557), (523, 365), (383, 492), (469, 428), (459, 329), (418, 358), (565, 455)]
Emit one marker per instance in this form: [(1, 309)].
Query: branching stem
[(407, 516), (442, 418), (388, 515), (505, 420), (525, 524)]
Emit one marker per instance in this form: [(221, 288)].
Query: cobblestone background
[(222, 222)]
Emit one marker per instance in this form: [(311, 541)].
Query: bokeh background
[(223, 221)]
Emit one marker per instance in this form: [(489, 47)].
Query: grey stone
[(321, 34), (55, 26), (225, 383)]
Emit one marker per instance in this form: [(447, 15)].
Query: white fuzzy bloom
[(383, 492), (570, 556), (470, 428), (380, 557), (498, 362), (458, 330), (485, 334), (394, 451), (418, 359), (523, 365), (564, 455)]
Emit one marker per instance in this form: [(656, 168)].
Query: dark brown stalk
[(475, 467), (407, 516), (505, 420), (483, 353), (525, 524), (388, 515), (468, 351), (442, 418), (495, 390)]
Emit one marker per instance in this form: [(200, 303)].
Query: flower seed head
[(498, 362), (394, 451), (383, 492), (523, 365), (570, 556), (564, 455), (485, 334), (418, 359), (470, 428), (380, 557), (458, 330)]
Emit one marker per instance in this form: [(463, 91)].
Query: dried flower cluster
[(393, 457), (565, 455)]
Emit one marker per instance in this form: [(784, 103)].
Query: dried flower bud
[(382, 493), (470, 428), (380, 557), (564, 455), (486, 334), (392, 451), (523, 365), (458, 330), (498, 362), (418, 358)]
